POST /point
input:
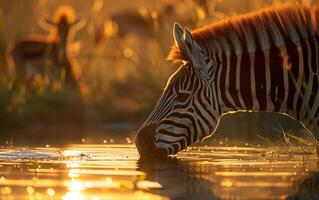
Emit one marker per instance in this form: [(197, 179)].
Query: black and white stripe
[(267, 61)]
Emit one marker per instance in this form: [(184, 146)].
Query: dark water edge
[(69, 134), (234, 129), (306, 188)]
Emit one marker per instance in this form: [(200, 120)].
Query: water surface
[(115, 172)]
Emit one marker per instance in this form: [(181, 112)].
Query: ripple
[(114, 172)]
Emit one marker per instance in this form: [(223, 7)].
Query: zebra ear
[(178, 34), (198, 56), (189, 48), (179, 40)]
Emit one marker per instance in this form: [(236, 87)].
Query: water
[(114, 172)]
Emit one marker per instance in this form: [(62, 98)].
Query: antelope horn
[(78, 23), (42, 22)]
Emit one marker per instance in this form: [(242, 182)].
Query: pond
[(114, 171)]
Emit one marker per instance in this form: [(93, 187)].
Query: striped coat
[(264, 61)]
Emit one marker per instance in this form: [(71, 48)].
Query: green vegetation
[(122, 76)]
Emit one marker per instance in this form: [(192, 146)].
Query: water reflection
[(114, 172), (178, 179), (230, 172)]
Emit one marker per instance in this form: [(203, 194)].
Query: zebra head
[(186, 110)]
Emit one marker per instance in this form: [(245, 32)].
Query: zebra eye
[(182, 96)]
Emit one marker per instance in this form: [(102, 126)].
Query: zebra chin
[(145, 144)]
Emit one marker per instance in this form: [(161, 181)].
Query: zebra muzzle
[(145, 143)]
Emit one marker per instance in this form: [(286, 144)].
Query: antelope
[(144, 22), (49, 54)]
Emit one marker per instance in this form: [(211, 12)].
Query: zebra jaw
[(188, 47)]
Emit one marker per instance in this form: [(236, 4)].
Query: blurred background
[(120, 54)]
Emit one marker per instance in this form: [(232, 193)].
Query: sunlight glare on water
[(114, 172)]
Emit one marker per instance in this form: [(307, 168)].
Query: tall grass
[(122, 77)]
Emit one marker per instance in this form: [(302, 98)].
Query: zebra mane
[(267, 27)]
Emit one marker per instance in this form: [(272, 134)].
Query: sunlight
[(74, 173), (97, 5), (108, 181), (6, 190), (78, 78), (51, 192), (103, 177), (110, 28), (73, 195), (69, 153), (259, 174), (30, 190), (226, 183), (148, 185), (75, 185), (128, 52), (75, 188)]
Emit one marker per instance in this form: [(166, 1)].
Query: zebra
[(264, 61)]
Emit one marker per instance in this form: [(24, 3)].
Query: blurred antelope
[(49, 54), (141, 23), (145, 23)]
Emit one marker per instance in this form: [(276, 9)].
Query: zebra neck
[(269, 87)]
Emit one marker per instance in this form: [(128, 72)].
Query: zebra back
[(269, 27)]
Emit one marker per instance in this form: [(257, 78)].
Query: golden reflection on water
[(114, 172)]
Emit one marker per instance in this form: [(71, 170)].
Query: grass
[(122, 77)]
